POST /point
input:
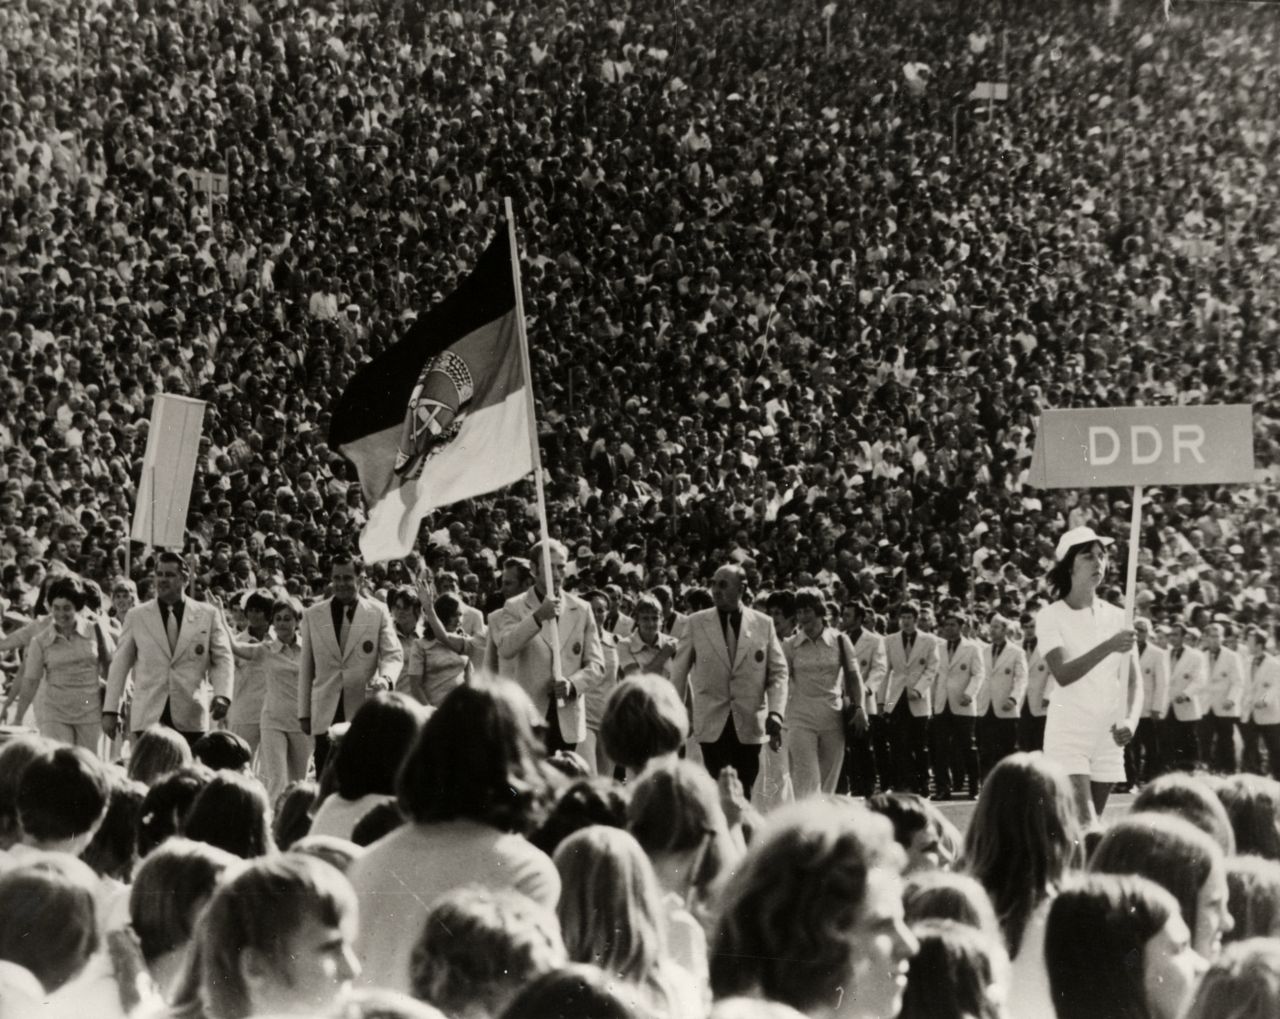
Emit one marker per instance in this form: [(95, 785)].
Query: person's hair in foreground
[(643, 718), (943, 895), (476, 759), (166, 804), (232, 813), (479, 947), (1179, 858), (1253, 895), (113, 851), (157, 752), (379, 739), (1192, 798), (1243, 984), (1252, 803), (796, 918), (169, 890), (571, 992), (252, 958), (223, 750), (582, 803), (62, 798), (1105, 952), (15, 755), (958, 973), (1024, 837), (292, 817), (48, 918)]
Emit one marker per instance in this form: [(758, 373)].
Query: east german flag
[(444, 414)]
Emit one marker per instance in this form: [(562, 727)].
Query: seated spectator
[(471, 785), (612, 916), (48, 920), (62, 800), (1117, 946), (644, 720), (15, 755), (941, 895), (1253, 808), (1179, 858), (231, 812), (170, 889), (157, 752), (113, 851), (367, 761), (166, 804), (580, 804), (957, 973), (571, 992), (479, 947), (813, 916), (917, 828), (1253, 896), (277, 939), (1192, 798), (1243, 984), (291, 818), (223, 750)]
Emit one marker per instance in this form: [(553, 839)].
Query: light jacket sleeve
[(121, 664), (390, 653)]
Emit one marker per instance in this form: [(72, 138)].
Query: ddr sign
[(1108, 447)]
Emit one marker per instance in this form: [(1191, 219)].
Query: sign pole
[(1131, 584)]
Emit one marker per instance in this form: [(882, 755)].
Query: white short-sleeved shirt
[(1078, 631)]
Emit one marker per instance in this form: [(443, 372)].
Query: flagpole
[(535, 451)]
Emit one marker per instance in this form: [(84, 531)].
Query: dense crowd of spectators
[(792, 298)]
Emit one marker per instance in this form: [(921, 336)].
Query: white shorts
[(1082, 743)]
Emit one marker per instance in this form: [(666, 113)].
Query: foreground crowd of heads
[(478, 878)]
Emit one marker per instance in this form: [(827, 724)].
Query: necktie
[(1177, 653), (731, 637), (171, 628), (996, 651), (951, 647), (907, 641), (344, 626)]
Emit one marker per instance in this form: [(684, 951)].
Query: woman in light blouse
[(440, 659), (824, 680), (62, 669)]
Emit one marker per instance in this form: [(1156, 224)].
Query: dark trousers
[(166, 719), (858, 773), (1146, 750), (909, 743), (324, 745), (1180, 744), (954, 751), (552, 735), (1218, 740), (744, 758), (1251, 748), (997, 739), (1270, 738), (1030, 731), (882, 749)]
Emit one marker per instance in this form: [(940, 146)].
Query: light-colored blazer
[(1006, 678), (959, 674), (749, 687), (1155, 680), (1262, 702), (1226, 683), (635, 656), (868, 649), (477, 634), (524, 655), (1040, 684), (328, 674), (918, 672), (202, 656), (624, 627), (1188, 677)]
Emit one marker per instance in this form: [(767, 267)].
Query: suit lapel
[(568, 627), (326, 627), (358, 620), (715, 633), (189, 624), (746, 633), (156, 625)]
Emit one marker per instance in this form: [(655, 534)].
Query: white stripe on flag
[(492, 449)]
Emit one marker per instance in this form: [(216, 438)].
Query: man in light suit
[(616, 621), (349, 652), (517, 578), (1261, 713), (1145, 750), (1000, 699), (523, 638), (1188, 685), (470, 619), (1040, 684), (674, 623), (956, 691), (866, 753), (1226, 694), (174, 645), (913, 668), (731, 659)]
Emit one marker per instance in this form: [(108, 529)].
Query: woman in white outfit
[(1085, 643)]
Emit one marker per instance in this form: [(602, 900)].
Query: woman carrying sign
[(1086, 645)]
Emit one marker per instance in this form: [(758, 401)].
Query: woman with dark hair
[(1191, 798), (367, 760), (15, 755), (1253, 807), (1085, 642), (159, 751), (1117, 948), (958, 973), (166, 804), (63, 665), (574, 992), (469, 789), (232, 813), (644, 720), (48, 918)]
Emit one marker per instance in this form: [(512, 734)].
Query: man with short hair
[(1145, 750), (1260, 717), (349, 651), (470, 618), (956, 692), (517, 577), (913, 668), (1226, 694), (1188, 688), (61, 802), (597, 693), (277, 938), (174, 645), (1000, 699), (731, 659), (867, 753)]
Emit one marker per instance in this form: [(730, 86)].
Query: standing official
[(1040, 685), (1146, 752), (1226, 694), (1000, 699), (913, 669), (1262, 706), (522, 636), (868, 752), (732, 661), (956, 692), (597, 695), (1188, 687), (174, 645), (349, 651)]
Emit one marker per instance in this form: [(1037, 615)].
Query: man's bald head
[(727, 587)]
